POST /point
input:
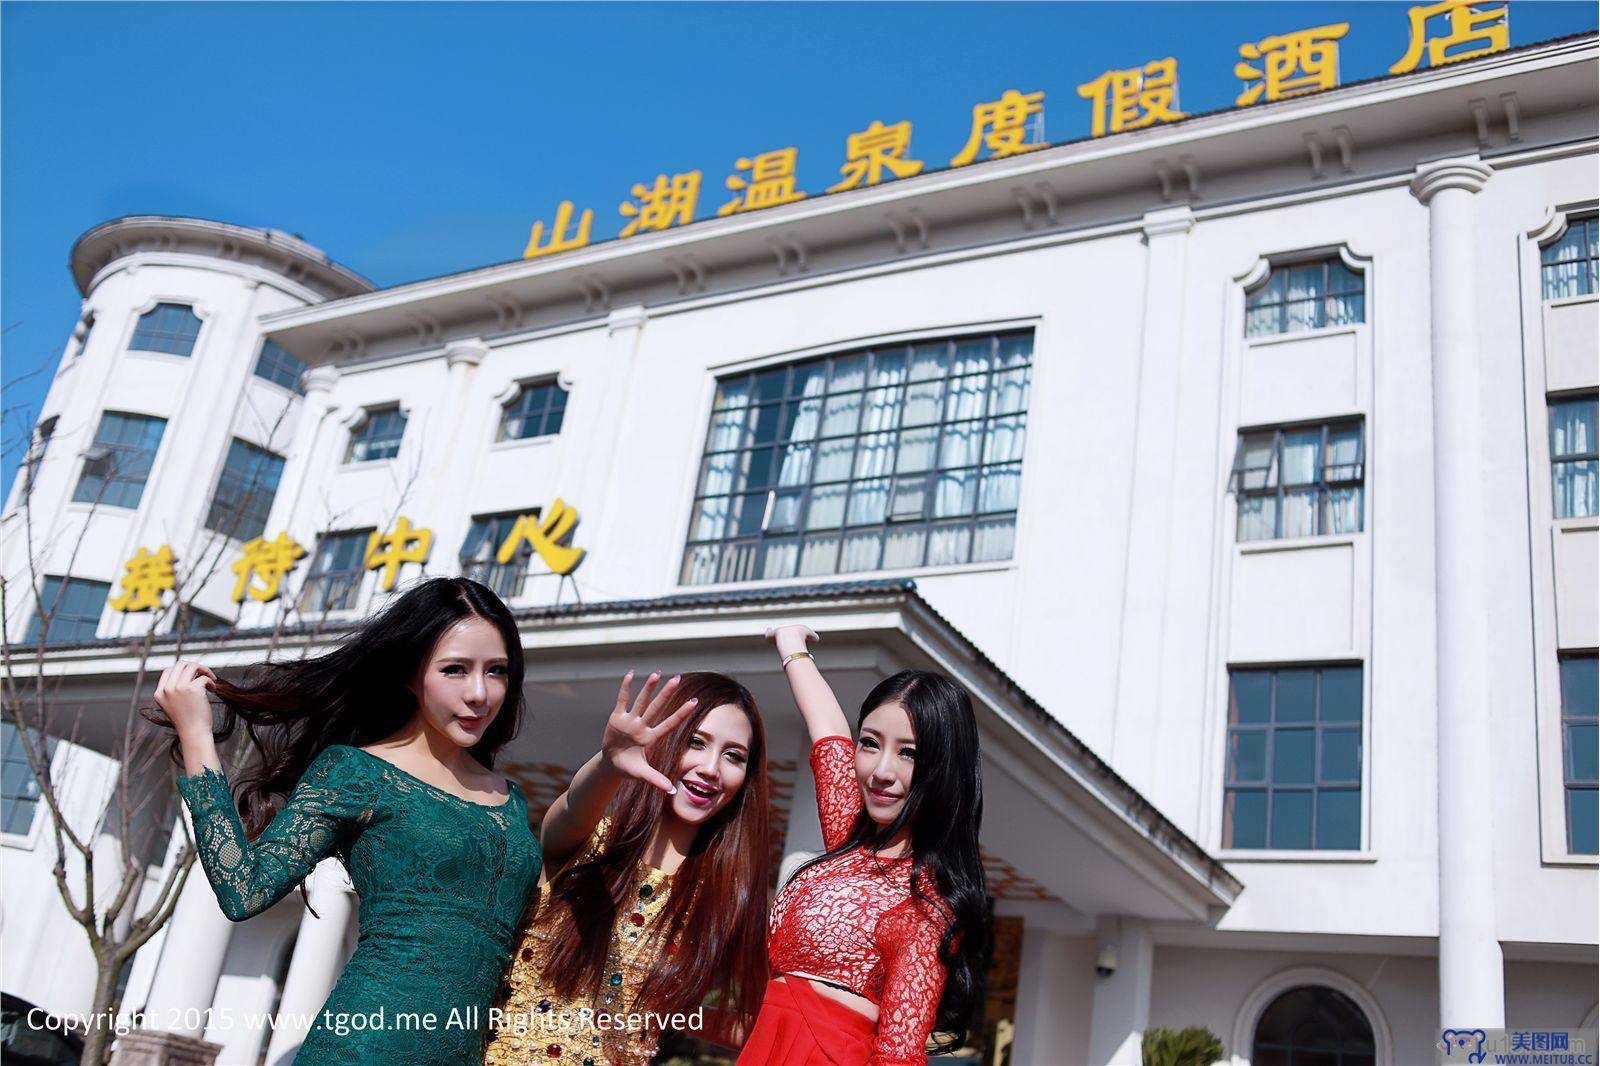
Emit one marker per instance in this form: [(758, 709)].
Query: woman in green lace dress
[(384, 748)]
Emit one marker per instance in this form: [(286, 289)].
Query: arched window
[(1313, 1026), (170, 328)]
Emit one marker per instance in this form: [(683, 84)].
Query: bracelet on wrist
[(792, 656)]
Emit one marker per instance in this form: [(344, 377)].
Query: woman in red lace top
[(878, 943)]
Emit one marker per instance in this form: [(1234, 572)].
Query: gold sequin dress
[(537, 1025)]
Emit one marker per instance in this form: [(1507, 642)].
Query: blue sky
[(411, 140)]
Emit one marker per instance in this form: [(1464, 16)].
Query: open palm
[(636, 724)]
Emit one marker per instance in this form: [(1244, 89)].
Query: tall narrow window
[(73, 607), (35, 457), (19, 796), (480, 550), (536, 411), (1301, 296), (903, 456), (245, 490), (1568, 265), (277, 365), (1293, 776), (1574, 473), (1580, 730), (170, 328), (378, 436), (334, 581), (117, 465), (1300, 481)]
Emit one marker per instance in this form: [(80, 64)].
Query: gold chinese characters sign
[(263, 565), (1276, 67)]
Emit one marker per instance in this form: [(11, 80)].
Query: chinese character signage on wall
[(1276, 67)]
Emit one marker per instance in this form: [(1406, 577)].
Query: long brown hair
[(716, 911)]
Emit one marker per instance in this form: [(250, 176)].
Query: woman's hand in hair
[(635, 726), (792, 639), (181, 695)]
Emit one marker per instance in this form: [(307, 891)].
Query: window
[(117, 465), (245, 491), (1312, 1026), (1579, 731), (1567, 265), (170, 328), (85, 328), (378, 436), (903, 456), (193, 620), (1301, 481), (1294, 759), (73, 607), (478, 553), (535, 412), (1301, 296), (41, 444), (1573, 469), (336, 569), (278, 366), (19, 788)]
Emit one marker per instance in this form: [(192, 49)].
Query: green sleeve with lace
[(250, 876)]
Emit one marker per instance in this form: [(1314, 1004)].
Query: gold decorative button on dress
[(535, 1024)]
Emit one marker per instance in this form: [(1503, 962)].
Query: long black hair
[(358, 693), (944, 808)]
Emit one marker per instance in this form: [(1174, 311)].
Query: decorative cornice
[(1463, 172), (631, 317), (1168, 220)]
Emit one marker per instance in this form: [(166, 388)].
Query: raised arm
[(250, 877), (812, 694), (624, 751)]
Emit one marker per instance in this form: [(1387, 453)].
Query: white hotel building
[(1244, 469)]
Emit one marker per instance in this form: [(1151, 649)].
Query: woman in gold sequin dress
[(659, 908)]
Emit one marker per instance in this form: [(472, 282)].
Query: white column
[(448, 481), (1121, 1009), (318, 383), (319, 958), (1144, 599), (1471, 969), (195, 944), (802, 839)]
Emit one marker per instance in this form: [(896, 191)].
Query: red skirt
[(798, 1026)]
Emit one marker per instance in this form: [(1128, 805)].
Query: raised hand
[(636, 724), (181, 694), (791, 639)]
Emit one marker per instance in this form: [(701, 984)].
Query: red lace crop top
[(853, 921)]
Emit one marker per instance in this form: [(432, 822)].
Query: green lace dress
[(442, 883)]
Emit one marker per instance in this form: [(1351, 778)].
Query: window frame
[(1568, 785), (116, 449), (1589, 285), (992, 416), (1325, 301), (262, 362), (1572, 459), (359, 442), (316, 578), (157, 305), (246, 531), (1359, 725), (26, 839), (30, 637), (1275, 487), (548, 409), (491, 573)]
